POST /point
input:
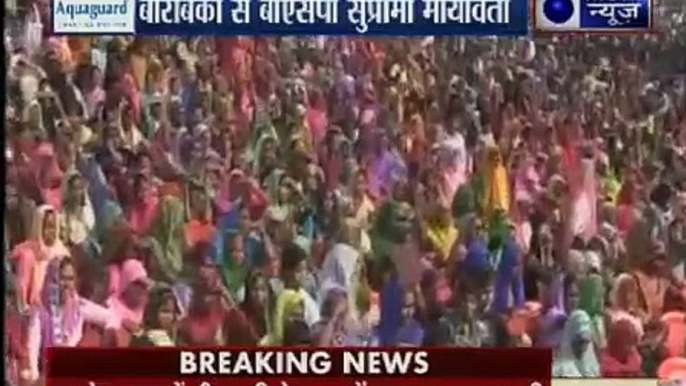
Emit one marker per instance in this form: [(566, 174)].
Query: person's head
[(244, 220), (141, 186), (622, 339), (257, 290), (409, 305), (268, 155), (67, 279), (199, 203), (238, 184), (208, 275), (478, 229), (296, 333), (237, 249), (162, 310), (360, 183), (293, 265), (577, 333), (658, 257), (661, 196), (144, 164), (135, 284), (49, 226), (571, 293), (127, 116), (77, 190)]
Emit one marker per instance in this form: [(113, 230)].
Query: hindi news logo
[(592, 15), (93, 16)]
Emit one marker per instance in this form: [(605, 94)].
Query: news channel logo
[(93, 16), (592, 15)]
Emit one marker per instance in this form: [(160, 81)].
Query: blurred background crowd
[(447, 191)]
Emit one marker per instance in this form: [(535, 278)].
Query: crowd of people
[(331, 191)]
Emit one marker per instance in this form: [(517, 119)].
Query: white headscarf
[(566, 364), (56, 250)]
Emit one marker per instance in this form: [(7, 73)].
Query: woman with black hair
[(257, 305), (160, 320)]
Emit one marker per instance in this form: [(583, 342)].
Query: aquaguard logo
[(93, 16)]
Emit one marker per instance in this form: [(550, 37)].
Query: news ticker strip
[(292, 382), (533, 365), (339, 382), (346, 17), (605, 382)]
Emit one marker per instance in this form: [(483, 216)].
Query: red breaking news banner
[(298, 367)]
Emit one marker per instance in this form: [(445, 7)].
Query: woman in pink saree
[(32, 257), (584, 203), (59, 321), (129, 302), (48, 175), (316, 118)]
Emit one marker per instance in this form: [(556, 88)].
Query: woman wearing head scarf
[(621, 358), (390, 228), (234, 266), (59, 320), (441, 233), (48, 175), (592, 300), (167, 240), (385, 167), (583, 215), (477, 259), (102, 197), (466, 201), (625, 303), (316, 117), (341, 265), (655, 286), (496, 195), (77, 217), (627, 211), (129, 302), (265, 155), (160, 320), (673, 369), (200, 228), (575, 358), (32, 257), (553, 315), (16, 357)]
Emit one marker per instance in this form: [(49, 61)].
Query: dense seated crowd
[(465, 192)]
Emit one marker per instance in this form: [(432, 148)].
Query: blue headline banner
[(292, 17)]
